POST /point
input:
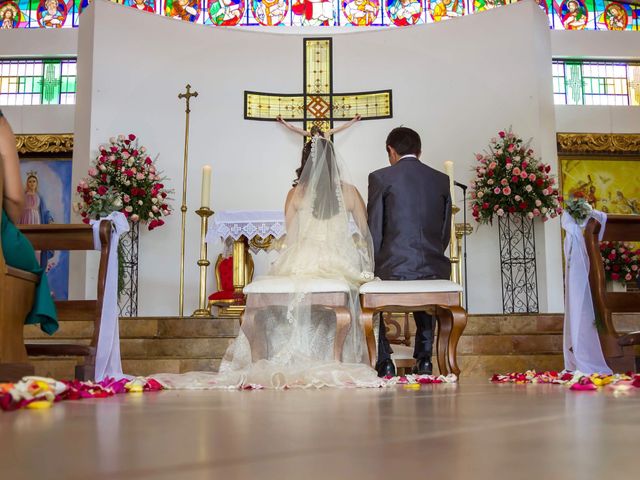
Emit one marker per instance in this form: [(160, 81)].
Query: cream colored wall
[(434, 68)]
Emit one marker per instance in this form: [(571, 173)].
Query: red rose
[(508, 160), (164, 195), (547, 168), (160, 222), (524, 165), (128, 172), (102, 190), (501, 134), (153, 224), (83, 214), (615, 276), (511, 209), (490, 173), (523, 205), (79, 189), (612, 256), (616, 268), (148, 161), (132, 137), (485, 205), (114, 149), (514, 179), (85, 220), (539, 182)]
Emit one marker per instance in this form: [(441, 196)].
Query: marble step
[(473, 366), (145, 328), (159, 327)]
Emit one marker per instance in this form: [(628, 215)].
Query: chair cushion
[(229, 295), (410, 286), (289, 285), (225, 269)]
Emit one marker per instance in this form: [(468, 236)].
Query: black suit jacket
[(409, 210)]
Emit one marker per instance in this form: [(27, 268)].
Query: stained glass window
[(596, 83), (38, 82), (563, 14)]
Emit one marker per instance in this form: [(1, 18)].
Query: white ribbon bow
[(582, 350), (108, 362)]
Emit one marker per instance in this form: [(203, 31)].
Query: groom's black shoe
[(386, 368), (423, 366)]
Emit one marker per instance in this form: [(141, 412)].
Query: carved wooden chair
[(418, 295), (618, 349), (225, 292), (328, 295)]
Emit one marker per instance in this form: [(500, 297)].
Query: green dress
[(19, 253)]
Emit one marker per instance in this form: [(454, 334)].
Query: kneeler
[(414, 296)]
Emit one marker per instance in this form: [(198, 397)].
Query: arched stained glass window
[(562, 14)]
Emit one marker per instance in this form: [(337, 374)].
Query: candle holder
[(203, 311)]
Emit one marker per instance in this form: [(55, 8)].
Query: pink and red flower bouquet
[(621, 261), (511, 180), (124, 178)]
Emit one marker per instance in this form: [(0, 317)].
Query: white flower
[(151, 215), (528, 188), (140, 202), (530, 215), (480, 194), (490, 181), (135, 217), (130, 162), (102, 168), (154, 200), (128, 208), (112, 140), (509, 166), (544, 209), (121, 137), (165, 212), (117, 203), (500, 212), (143, 149), (538, 203), (155, 209), (127, 183)]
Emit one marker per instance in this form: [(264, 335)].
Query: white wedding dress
[(327, 241)]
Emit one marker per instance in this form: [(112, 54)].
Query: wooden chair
[(418, 295), (330, 295), (618, 349)]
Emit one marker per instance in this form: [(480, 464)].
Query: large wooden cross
[(318, 105)]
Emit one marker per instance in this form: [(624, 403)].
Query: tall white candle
[(448, 169), (205, 200)]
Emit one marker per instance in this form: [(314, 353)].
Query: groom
[(409, 210)]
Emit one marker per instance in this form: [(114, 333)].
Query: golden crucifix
[(318, 105), (183, 208)]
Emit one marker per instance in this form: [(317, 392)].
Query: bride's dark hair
[(306, 151)]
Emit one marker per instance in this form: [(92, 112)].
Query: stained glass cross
[(318, 105)]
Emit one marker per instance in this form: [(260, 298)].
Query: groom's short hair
[(404, 141)]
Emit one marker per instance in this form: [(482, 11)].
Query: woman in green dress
[(17, 250)]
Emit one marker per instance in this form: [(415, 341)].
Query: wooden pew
[(73, 237), (618, 349)]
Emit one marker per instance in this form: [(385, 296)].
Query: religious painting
[(225, 13), (142, 5), (574, 14), (404, 12), (360, 13), (615, 16), (185, 10), (269, 12), (611, 185), (47, 187), (313, 12), (482, 5), (445, 9), (11, 16), (544, 5), (52, 13)]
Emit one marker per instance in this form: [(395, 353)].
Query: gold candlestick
[(183, 208), (203, 263)]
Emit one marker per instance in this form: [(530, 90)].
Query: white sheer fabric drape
[(582, 350), (287, 338)]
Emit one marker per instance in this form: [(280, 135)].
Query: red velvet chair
[(225, 293)]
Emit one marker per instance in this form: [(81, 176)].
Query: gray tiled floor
[(471, 430)]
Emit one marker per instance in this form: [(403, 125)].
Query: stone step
[(473, 366), (145, 328)]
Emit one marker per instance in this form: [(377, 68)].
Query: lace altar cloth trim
[(251, 224)]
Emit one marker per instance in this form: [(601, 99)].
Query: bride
[(287, 341)]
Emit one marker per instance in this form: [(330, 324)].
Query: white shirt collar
[(408, 156)]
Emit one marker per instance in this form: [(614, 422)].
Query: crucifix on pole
[(318, 105)]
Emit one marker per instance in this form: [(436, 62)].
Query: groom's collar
[(411, 156)]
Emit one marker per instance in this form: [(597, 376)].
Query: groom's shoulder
[(381, 173)]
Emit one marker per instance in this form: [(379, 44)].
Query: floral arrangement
[(123, 178), (511, 180), (621, 261), (578, 208)]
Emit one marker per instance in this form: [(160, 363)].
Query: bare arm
[(289, 209), (358, 209), (293, 128), (13, 193), (344, 126)]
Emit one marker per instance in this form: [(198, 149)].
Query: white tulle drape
[(287, 338), (582, 350)]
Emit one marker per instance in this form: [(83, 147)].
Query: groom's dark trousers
[(409, 212)]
